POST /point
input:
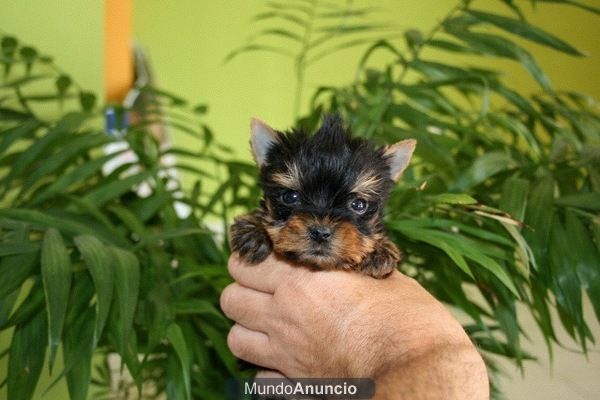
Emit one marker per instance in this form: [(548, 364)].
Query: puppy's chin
[(347, 247), (317, 258)]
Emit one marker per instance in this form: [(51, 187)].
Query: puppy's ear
[(261, 139), (398, 156)]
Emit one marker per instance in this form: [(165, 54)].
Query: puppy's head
[(325, 192)]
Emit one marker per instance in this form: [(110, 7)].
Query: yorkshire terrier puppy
[(323, 201)]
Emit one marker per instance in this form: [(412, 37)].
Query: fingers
[(264, 276), (251, 346), (247, 307)]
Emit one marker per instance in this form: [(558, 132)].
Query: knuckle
[(232, 341), (226, 299), (231, 264), (235, 342)]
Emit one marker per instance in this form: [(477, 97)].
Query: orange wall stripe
[(118, 57)]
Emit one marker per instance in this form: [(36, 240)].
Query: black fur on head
[(323, 198), (329, 170)]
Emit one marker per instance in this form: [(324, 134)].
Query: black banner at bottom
[(300, 388)]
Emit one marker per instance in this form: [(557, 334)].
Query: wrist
[(426, 337), (449, 371)]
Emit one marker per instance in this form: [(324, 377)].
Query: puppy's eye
[(359, 205), (291, 197)]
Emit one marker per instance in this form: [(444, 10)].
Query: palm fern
[(88, 264)]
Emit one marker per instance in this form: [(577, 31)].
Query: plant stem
[(461, 6), (300, 62)]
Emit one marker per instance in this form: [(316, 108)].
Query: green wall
[(189, 39), (69, 30)]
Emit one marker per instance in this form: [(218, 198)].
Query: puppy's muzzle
[(320, 234)]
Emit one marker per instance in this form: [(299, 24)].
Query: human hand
[(339, 324)]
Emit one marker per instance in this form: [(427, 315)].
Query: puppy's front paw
[(250, 239), (382, 261)]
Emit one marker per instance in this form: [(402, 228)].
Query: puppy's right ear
[(399, 155), (261, 140)]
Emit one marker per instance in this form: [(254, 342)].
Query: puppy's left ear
[(398, 156), (261, 139)]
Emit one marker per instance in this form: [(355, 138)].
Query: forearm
[(448, 372)]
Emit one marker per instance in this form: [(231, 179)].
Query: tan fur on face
[(351, 245), (289, 179), (289, 237), (367, 185), (347, 246)]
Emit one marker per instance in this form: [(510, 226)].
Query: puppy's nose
[(319, 234)]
